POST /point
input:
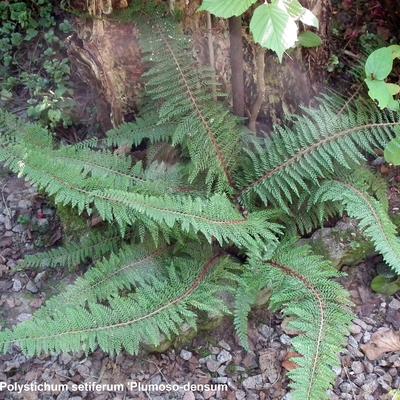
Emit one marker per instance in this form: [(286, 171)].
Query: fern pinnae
[(301, 161), (370, 213), (303, 283), (112, 331)]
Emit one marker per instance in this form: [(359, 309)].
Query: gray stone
[(224, 345), (31, 287), (370, 387), (357, 367), (285, 339), (186, 355), (355, 329), (65, 358), (17, 285), (253, 382), (213, 365), (224, 357), (345, 387), (240, 395), (18, 228), (353, 342), (189, 396), (266, 331), (394, 304), (361, 323)]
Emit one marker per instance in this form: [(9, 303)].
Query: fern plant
[(225, 216)]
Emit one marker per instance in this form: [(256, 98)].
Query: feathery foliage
[(141, 290)]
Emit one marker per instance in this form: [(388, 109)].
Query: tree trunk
[(236, 56), (106, 56)]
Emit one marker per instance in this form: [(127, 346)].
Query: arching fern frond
[(296, 158), (130, 321), (92, 246), (373, 217), (303, 287), (184, 93)]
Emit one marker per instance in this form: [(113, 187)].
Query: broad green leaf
[(295, 9), (383, 93), (309, 39), (392, 151), (395, 49), (226, 8), (273, 27), (379, 64), (308, 18), (383, 285)]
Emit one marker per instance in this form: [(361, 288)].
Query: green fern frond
[(184, 93), (296, 158), (131, 266), (146, 127), (153, 311), (373, 218), (92, 246), (303, 286)]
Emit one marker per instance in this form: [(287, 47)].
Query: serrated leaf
[(226, 8), (392, 151), (309, 39), (274, 28), (379, 64)]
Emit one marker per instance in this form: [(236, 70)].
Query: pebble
[(253, 382), (355, 329), (224, 345), (212, 365), (224, 357), (357, 367), (240, 395), (394, 304), (370, 387), (360, 323), (31, 287), (189, 396), (186, 355), (285, 339), (266, 331), (17, 285)]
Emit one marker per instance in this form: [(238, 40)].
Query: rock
[(212, 365), (224, 345), (189, 396), (361, 323), (357, 367), (345, 387), (207, 394), (394, 304), (253, 382), (266, 331), (17, 285), (31, 287), (18, 228), (285, 339), (78, 398), (355, 329), (370, 387), (353, 342), (65, 358), (224, 357), (186, 355), (240, 395), (342, 245)]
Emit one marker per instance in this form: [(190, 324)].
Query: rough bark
[(106, 56), (236, 57)]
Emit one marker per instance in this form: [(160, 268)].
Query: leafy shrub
[(30, 61)]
